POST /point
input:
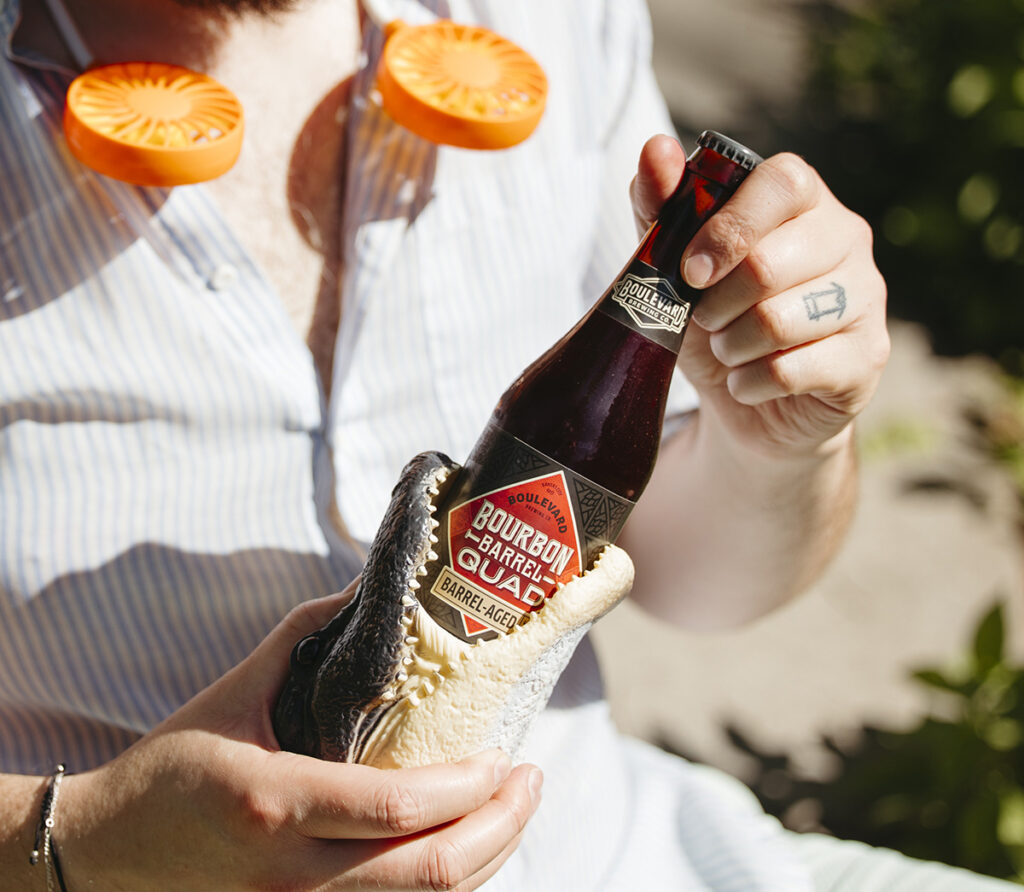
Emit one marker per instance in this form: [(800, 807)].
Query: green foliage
[(950, 789), (914, 114)]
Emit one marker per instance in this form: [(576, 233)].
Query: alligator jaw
[(384, 685), (345, 676)]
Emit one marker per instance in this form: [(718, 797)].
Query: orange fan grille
[(153, 124)]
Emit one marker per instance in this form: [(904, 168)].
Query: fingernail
[(533, 783), (697, 270), (502, 768)]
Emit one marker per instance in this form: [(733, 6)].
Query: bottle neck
[(649, 296), (709, 180)]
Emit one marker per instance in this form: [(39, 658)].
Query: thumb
[(271, 659), (659, 170)]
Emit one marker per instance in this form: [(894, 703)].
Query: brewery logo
[(651, 302)]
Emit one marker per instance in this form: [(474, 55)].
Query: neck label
[(649, 304)]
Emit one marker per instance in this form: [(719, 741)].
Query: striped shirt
[(168, 461)]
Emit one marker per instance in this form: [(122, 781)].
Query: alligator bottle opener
[(384, 685)]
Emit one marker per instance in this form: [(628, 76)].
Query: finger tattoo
[(830, 302)]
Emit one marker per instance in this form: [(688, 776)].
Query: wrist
[(44, 849), (74, 832), (806, 495), (758, 457), (21, 799)]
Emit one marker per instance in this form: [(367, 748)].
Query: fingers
[(464, 854), (659, 170), (767, 351), (819, 369), (809, 313), (268, 665), (787, 268), (778, 190), (359, 802), (796, 252), (485, 873)]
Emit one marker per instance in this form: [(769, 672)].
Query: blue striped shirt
[(169, 464)]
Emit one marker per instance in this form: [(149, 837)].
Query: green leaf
[(1010, 829), (976, 831), (1004, 735), (988, 640), (935, 679)]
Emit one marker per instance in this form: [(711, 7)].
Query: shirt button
[(223, 277)]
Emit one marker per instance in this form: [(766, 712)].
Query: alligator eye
[(306, 651)]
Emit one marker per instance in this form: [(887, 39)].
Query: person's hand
[(208, 801), (788, 342)]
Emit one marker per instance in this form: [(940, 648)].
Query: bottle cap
[(729, 148)]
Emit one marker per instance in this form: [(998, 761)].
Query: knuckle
[(301, 620), (771, 324), (762, 269), (445, 867), (518, 813), (732, 235), (399, 811), (792, 175), (263, 813), (783, 373), (862, 232), (878, 356)]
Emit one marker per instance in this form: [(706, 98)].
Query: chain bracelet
[(44, 834)]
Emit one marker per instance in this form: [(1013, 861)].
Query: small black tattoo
[(825, 303)]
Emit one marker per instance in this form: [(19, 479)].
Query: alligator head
[(384, 685)]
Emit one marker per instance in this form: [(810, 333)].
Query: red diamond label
[(510, 548)]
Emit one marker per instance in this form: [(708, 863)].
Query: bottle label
[(649, 304), (519, 526)]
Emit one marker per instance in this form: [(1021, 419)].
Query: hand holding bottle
[(789, 340), (786, 345), (208, 801)]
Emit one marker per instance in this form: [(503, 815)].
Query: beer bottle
[(572, 443)]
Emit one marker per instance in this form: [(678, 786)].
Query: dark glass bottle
[(572, 443)]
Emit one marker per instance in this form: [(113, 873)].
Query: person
[(206, 394)]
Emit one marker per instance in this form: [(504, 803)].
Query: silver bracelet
[(44, 834)]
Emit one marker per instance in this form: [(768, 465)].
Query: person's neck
[(151, 30)]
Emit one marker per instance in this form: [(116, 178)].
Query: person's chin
[(262, 7)]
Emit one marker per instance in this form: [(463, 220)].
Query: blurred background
[(888, 703)]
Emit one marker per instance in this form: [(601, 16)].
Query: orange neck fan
[(460, 85), (155, 124)]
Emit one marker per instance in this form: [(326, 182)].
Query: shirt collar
[(10, 18)]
